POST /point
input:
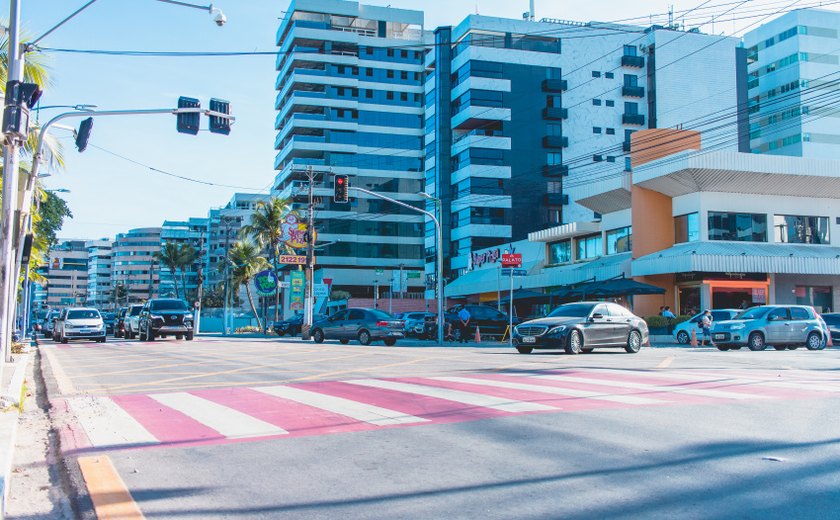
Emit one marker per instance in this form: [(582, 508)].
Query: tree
[(170, 256), (266, 229), (51, 212), (247, 262), (187, 256)]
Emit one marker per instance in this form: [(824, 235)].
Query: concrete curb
[(9, 426)]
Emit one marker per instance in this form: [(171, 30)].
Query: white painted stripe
[(570, 392), (227, 421), (106, 424), (65, 384), (459, 396), (653, 387), (360, 411)]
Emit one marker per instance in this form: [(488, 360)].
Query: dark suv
[(161, 317), (489, 320)]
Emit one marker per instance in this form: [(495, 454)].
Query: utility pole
[(226, 222), (199, 292), (151, 277), (310, 261)]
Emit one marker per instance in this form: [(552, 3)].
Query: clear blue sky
[(110, 195)]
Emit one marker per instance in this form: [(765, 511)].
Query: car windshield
[(380, 315), (82, 315), (574, 310), (169, 305), (135, 311), (110, 316), (752, 314)]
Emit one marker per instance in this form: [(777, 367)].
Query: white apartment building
[(99, 288)]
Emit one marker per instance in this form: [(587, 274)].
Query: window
[(340, 91), (799, 313), (598, 158), (554, 130), (610, 158), (369, 94), (554, 187), (554, 159), (403, 74), (686, 228), (631, 80), (596, 74), (589, 247), (403, 54), (403, 96), (742, 227), (596, 129), (389, 95), (631, 50), (631, 108), (619, 240), (609, 75), (610, 103), (794, 229), (390, 74), (610, 131), (368, 71), (390, 53), (368, 50), (341, 69), (560, 252), (596, 102)]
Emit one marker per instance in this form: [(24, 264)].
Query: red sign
[(512, 260)]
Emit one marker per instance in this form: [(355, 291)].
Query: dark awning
[(607, 288), (526, 296)]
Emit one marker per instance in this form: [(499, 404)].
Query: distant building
[(67, 274), (136, 273), (99, 288), (193, 232)]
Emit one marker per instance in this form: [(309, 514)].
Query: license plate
[(85, 331), (720, 336), (529, 339)]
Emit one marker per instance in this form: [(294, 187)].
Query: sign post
[(511, 260)]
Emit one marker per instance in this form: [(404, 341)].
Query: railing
[(554, 85), (555, 113), (633, 61), (629, 91), (555, 141), (633, 119)]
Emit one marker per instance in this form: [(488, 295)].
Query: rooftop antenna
[(531, 13), (670, 16)]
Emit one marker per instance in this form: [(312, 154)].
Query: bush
[(656, 322)]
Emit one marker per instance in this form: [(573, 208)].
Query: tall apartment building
[(67, 274), (793, 80), (136, 272), (524, 119), (223, 226), (193, 232), (350, 101), (99, 288)]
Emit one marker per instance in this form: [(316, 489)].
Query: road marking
[(355, 409), (107, 424), (227, 421), (109, 494), (627, 399), (666, 362), (459, 396), (65, 384), (653, 387)]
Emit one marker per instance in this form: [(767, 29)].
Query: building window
[(554, 187), (741, 227), (368, 71), (368, 50), (596, 102), (631, 80), (596, 74), (795, 229), (686, 228), (609, 75), (369, 94), (560, 252), (390, 53), (598, 158), (341, 69), (610, 131), (554, 159), (631, 108), (403, 96), (610, 158), (390, 74), (610, 103), (589, 247), (631, 50), (596, 129), (619, 240), (403, 54), (403, 74)]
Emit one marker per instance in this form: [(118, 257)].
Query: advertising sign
[(265, 282), (297, 280), (293, 259), (320, 290), (295, 232), (512, 260)]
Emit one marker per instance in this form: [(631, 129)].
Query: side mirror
[(595, 316)]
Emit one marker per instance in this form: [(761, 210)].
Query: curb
[(8, 428)]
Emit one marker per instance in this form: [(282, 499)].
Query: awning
[(607, 288), (602, 268), (740, 257), (485, 280), (525, 296)]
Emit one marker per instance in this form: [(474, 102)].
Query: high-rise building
[(136, 271), (67, 274), (192, 232), (793, 79), (223, 226), (99, 288), (350, 101)]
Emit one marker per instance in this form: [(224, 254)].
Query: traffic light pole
[(310, 262)]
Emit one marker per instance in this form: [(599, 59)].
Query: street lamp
[(439, 262)]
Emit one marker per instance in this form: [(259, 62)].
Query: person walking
[(464, 324), (669, 319), (706, 324)]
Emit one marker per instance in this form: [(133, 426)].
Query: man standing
[(706, 324), (464, 324), (669, 318)]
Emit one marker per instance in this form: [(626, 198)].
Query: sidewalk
[(11, 389)]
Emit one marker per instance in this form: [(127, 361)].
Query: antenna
[(531, 13)]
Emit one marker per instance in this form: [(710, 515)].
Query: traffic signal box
[(342, 188)]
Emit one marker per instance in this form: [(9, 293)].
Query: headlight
[(188, 316), (556, 330), (737, 326), (68, 325), (155, 317)]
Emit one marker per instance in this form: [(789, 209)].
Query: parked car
[(81, 323), (293, 325), (49, 322), (583, 327), (109, 318), (414, 322), (832, 321), (489, 320), (162, 317), (782, 326), (57, 322), (119, 323), (364, 325), (682, 331), (131, 322)]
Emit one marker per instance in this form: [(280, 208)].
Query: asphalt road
[(254, 428)]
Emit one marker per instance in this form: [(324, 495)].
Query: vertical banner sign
[(297, 282)]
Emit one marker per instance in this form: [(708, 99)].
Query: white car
[(81, 323), (132, 321)]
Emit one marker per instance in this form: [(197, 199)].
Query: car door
[(353, 324), (800, 324), (778, 326), (332, 328), (621, 323), (596, 329)]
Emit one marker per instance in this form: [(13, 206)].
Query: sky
[(117, 183)]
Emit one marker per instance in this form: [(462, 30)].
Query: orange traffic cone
[(829, 342), (477, 334), (693, 338)]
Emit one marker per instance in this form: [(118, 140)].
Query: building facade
[(793, 78), (100, 260), (193, 233), (67, 274), (136, 271)]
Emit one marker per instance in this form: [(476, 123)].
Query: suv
[(56, 323), (119, 323), (489, 320), (48, 323), (782, 326), (81, 323), (161, 317), (131, 321)]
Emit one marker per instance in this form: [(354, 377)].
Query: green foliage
[(247, 262), (339, 295), (213, 298), (52, 211), (656, 322)]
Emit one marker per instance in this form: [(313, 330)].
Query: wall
[(784, 285), (656, 143)]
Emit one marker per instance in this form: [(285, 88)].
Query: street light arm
[(207, 8), (31, 45)]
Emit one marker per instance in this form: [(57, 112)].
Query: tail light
[(381, 323)]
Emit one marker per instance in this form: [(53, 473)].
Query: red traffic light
[(342, 189)]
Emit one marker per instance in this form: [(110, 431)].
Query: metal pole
[(499, 287), (391, 294), (510, 330), (227, 288), (375, 294), (310, 268)]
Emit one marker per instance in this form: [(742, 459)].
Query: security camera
[(218, 16)]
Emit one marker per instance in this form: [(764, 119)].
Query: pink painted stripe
[(296, 418), (431, 408), (71, 434), (169, 426)]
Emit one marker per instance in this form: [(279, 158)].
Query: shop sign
[(701, 276), (487, 257), (759, 295), (265, 282), (297, 281)]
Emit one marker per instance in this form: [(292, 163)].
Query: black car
[(119, 323), (582, 327), (364, 325), (110, 319), (161, 317), (833, 321), (293, 325), (489, 320)]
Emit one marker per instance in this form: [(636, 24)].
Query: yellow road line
[(665, 362), (111, 498)]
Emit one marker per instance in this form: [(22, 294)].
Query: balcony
[(554, 85), (555, 141), (555, 113), (555, 199), (555, 171), (636, 92), (625, 146), (633, 119), (633, 61)]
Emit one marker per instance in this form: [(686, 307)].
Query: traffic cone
[(693, 338), (829, 342), (477, 334)]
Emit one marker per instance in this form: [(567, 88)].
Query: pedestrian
[(706, 325), (464, 324), (661, 310), (669, 318)]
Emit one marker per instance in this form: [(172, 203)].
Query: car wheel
[(150, 334), (390, 341), (102, 340), (344, 341), (587, 350), (634, 342), (756, 342), (364, 337), (792, 347), (63, 340), (722, 348), (179, 336), (575, 343), (814, 341), (683, 337), (189, 336), (318, 336), (524, 350)]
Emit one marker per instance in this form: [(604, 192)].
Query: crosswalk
[(304, 409)]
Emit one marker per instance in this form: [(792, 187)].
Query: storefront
[(699, 290)]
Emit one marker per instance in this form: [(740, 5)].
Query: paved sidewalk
[(11, 388)]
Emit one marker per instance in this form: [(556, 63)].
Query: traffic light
[(83, 135), (20, 97), (218, 124), (188, 123), (342, 188)]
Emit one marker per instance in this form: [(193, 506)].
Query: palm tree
[(247, 262), (187, 255), (266, 229), (170, 256)]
